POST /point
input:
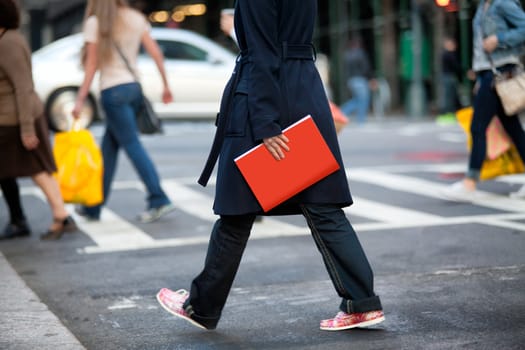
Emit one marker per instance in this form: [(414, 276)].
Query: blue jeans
[(486, 105), (450, 101), (335, 238), (360, 98), (120, 104)]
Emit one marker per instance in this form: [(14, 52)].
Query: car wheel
[(60, 105)]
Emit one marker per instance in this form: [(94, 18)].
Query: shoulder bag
[(510, 87), (148, 121)]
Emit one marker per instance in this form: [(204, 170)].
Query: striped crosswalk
[(116, 234)]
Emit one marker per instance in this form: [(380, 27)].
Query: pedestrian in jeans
[(111, 25), (499, 35), (276, 83), (359, 80)]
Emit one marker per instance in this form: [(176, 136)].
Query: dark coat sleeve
[(260, 24)]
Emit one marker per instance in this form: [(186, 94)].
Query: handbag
[(510, 88), (148, 122)]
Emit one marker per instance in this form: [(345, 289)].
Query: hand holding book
[(274, 178), (276, 144)]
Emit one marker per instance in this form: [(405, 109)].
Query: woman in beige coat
[(24, 138)]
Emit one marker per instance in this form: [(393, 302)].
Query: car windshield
[(176, 50)]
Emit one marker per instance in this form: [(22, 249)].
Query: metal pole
[(416, 93), (378, 38), (336, 14), (464, 47)]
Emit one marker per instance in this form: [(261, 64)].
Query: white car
[(197, 69)]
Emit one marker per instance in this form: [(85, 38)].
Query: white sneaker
[(459, 193), (154, 214), (519, 194)]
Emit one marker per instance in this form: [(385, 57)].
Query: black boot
[(14, 230)]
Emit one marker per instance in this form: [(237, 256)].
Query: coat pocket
[(239, 111)]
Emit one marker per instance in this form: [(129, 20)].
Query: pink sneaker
[(173, 301), (343, 320)]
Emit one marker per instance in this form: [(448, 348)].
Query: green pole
[(465, 45), (355, 13), (336, 14)]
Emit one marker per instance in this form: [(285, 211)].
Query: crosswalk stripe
[(114, 234), (431, 189), (200, 205), (387, 213)]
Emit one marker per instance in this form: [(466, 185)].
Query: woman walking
[(24, 138), (112, 30), (499, 35), (275, 84)]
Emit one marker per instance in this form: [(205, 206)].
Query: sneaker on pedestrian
[(519, 194), (154, 214), (81, 211), (459, 193), (173, 302), (343, 321)]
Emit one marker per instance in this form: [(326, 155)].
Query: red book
[(308, 161)]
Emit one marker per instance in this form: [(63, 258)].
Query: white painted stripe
[(431, 189), (32, 191), (190, 201), (504, 224), (494, 220), (200, 205), (113, 233), (388, 213), (452, 137)]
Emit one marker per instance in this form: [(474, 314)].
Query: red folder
[(308, 161)]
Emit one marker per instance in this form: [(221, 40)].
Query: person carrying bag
[(499, 38), (109, 23)]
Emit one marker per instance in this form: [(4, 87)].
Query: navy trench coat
[(275, 83)]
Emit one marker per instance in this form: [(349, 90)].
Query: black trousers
[(335, 238), (11, 194), (487, 105)]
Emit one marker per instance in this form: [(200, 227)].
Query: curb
[(26, 322)]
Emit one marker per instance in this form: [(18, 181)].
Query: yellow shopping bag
[(79, 167), (502, 156)]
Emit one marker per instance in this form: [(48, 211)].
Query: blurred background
[(403, 38)]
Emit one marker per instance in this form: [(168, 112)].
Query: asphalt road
[(450, 275)]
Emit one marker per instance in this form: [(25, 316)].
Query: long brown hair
[(106, 13), (9, 14)]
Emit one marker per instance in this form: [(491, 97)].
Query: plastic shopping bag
[(502, 156), (79, 167)]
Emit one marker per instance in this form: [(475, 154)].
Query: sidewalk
[(26, 322)]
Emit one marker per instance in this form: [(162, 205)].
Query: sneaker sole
[(357, 325), (186, 318), (153, 219)]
